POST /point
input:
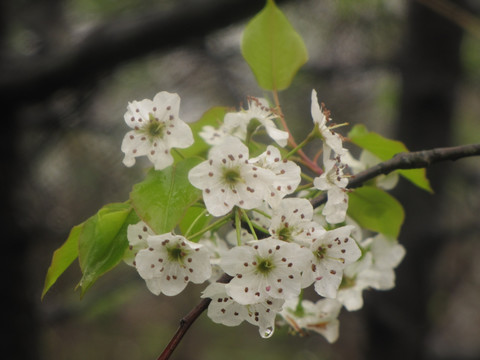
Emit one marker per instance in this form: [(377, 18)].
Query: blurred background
[(409, 70)]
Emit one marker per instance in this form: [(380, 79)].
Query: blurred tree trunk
[(21, 336), (430, 68)]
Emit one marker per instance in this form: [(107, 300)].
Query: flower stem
[(190, 228), (213, 225), (250, 225), (238, 227), (299, 146), (291, 141), (178, 153)]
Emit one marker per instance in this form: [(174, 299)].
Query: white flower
[(224, 310), (292, 222), (137, 235), (267, 268), (334, 182), (333, 250), (237, 123), (228, 179), (352, 286), (170, 262), (213, 136), (287, 174), (321, 317), (336, 206), (330, 138), (375, 270), (216, 247), (156, 129)]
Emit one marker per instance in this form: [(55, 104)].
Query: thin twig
[(187, 321), (410, 160)]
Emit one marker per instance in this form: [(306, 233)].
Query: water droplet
[(267, 333)]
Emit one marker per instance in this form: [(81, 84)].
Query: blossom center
[(285, 234), (264, 266), (231, 176), (320, 253), (333, 175), (176, 254), (154, 129)]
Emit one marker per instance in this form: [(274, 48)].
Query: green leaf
[(162, 199), (103, 240), (376, 210), (385, 149), (273, 49), (62, 258)]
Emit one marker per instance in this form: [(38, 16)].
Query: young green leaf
[(385, 149), (62, 258), (376, 210), (103, 240), (273, 49), (162, 199)]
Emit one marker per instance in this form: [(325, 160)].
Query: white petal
[(179, 134), (317, 113), (137, 239), (280, 136)]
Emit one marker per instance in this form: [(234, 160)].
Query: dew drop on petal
[(268, 333)]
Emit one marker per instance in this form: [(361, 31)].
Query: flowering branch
[(411, 160)]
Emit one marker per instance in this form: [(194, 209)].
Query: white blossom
[(292, 222), (213, 136), (227, 179), (224, 310), (321, 317), (374, 270), (216, 247), (266, 268), (287, 174), (330, 138), (334, 182), (137, 235), (237, 123), (333, 250), (156, 129), (170, 262)]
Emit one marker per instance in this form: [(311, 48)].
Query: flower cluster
[(280, 244)]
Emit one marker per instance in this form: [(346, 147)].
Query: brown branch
[(411, 160), (187, 321)]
